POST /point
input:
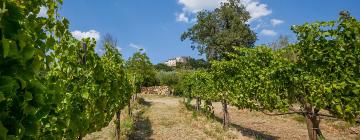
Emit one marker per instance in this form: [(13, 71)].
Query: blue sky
[(156, 25)]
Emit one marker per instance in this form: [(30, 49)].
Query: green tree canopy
[(141, 70), (193, 64), (163, 67), (216, 32)]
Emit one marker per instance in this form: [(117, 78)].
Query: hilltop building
[(174, 61)]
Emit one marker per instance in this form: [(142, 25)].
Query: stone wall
[(159, 90)]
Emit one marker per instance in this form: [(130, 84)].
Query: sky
[(156, 25)]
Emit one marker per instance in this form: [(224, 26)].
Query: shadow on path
[(244, 131), (249, 132), (142, 125)]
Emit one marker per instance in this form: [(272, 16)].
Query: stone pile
[(158, 90)]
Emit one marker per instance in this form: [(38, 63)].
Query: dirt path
[(252, 123), (169, 121), (166, 119)]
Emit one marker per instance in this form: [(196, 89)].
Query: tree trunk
[(210, 107), (129, 109), (117, 126), (226, 118), (197, 104), (313, 123)]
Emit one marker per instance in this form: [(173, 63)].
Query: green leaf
[(22, 82), (3, 131), (28, 53), (2, 97), (36, 65), (28, 96), (85, 95), (5, 46)]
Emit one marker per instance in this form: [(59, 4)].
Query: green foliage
[(141, 70), (167, 78), (199, 84), (178, 87), (327, 71), (173, 79), (163, 67), (249, 80), (87, 89), (25, 40), (53, 86), (280, 43), (216, 32), (321, 71), (193, 64)]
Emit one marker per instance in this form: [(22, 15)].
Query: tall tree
[(141, 70), (109, 41), (193, 63), (163, 67), (280, 43), (217, 31)]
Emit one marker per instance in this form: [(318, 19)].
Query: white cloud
[(43, 12), (198, 5), (255, 8), (276, 22), (182, 17), (136, 46), (267, 32), (89, 34)]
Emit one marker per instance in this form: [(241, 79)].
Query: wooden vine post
[(117, 126)]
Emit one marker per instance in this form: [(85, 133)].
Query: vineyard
[(55, 86)]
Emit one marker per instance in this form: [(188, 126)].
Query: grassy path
[(163, 118), (166, 118)]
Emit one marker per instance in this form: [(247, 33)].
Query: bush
[(172, 79), (167, 78)]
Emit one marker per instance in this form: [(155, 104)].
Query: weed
[(127, 126), (299, 118)]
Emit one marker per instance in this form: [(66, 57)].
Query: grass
[(167, 122), (127, 126), (340, 125), (207, 124), (299, 118)]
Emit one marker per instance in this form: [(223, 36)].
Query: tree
[(108, 41), (193, 64), (163, 67), (141, 70), (280, 43), (216, 32), (198, 63)]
